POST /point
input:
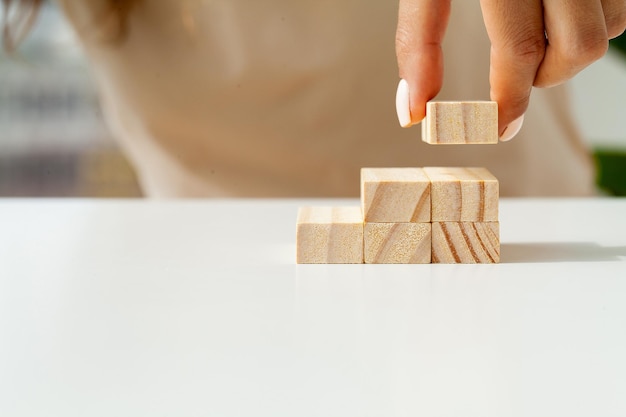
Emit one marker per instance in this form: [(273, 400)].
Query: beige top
[(292, 98)]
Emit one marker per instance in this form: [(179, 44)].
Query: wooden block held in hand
[(329, 235), (397, 243), (463, 194), (460, 122), (395, 195), (466, 242)]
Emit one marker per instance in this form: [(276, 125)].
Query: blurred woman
[(282, 98)]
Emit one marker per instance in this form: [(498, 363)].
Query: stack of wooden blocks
[(407, 215), (416, 215)]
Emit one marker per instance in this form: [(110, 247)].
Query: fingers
[(516, 31), (533, 42), (543, 43), (577, 36), (614, 16), (421, 27)]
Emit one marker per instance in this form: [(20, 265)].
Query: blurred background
[(53, 141)]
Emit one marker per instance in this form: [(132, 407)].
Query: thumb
[(421, 28)]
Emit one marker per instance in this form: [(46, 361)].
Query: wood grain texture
[(463, 194), (395, 195), (329, 235), (460, 122), (397, 243), (466, 242)]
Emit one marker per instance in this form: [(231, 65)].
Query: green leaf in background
[(611, 171), (611, 163)]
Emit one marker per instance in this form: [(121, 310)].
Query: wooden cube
[(397, 243), (329, 235), (395, 195), (460, 122), (463, 194), (466, 242)]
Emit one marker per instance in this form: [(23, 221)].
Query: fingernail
[(512, 129), (403, 104)]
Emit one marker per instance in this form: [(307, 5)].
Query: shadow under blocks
[(560, 252)]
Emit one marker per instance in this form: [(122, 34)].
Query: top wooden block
[(395, 195), (463, 195), (460, 122)]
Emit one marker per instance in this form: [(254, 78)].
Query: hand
[(533, 43)]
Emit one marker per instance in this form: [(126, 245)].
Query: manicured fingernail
[(512, 129), (402, 104)]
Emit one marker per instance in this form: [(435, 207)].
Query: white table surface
[(196, 308)]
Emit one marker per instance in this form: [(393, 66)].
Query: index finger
[(518, 44)]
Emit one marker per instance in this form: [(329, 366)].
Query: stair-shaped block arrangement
[(408, 216)]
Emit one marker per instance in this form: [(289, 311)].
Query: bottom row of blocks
[(338, 235)]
